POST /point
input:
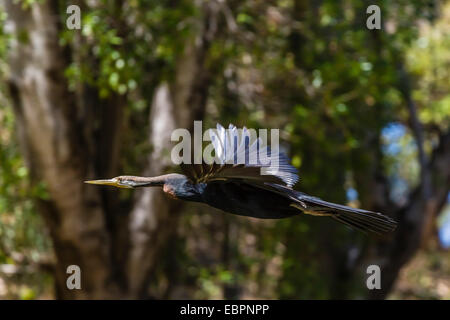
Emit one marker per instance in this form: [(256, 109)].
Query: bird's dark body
[(273, 201), (247, 200)]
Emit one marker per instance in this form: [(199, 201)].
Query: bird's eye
[(121, 180), (124, 183)]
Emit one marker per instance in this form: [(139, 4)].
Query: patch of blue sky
[(444, 234), (352, 194), (391, 135), (444, 222)]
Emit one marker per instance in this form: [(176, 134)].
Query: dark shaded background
[(364, 115)]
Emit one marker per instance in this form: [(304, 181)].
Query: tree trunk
[(414, 219), (154, 217), (62, 148), (56, 152)]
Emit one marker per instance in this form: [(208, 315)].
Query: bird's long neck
[(174, 184), (150, 181)]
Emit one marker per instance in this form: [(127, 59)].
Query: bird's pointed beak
[(107, 182)]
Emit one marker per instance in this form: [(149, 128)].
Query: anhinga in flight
[(241, 188)]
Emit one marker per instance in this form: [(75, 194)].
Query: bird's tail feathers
[(364, 220)]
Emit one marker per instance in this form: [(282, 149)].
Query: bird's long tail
[(364, 220)]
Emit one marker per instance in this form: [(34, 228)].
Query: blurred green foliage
[(314, 71), (24, 241)]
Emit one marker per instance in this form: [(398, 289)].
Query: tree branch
[(425, 202)]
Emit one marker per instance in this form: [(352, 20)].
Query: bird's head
[(130, 182), (174, 184)]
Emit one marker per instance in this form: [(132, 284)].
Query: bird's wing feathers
[(238, 155)]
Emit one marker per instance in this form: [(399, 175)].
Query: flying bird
[(242, 189)]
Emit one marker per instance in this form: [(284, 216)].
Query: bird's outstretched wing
[(239, 155)]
